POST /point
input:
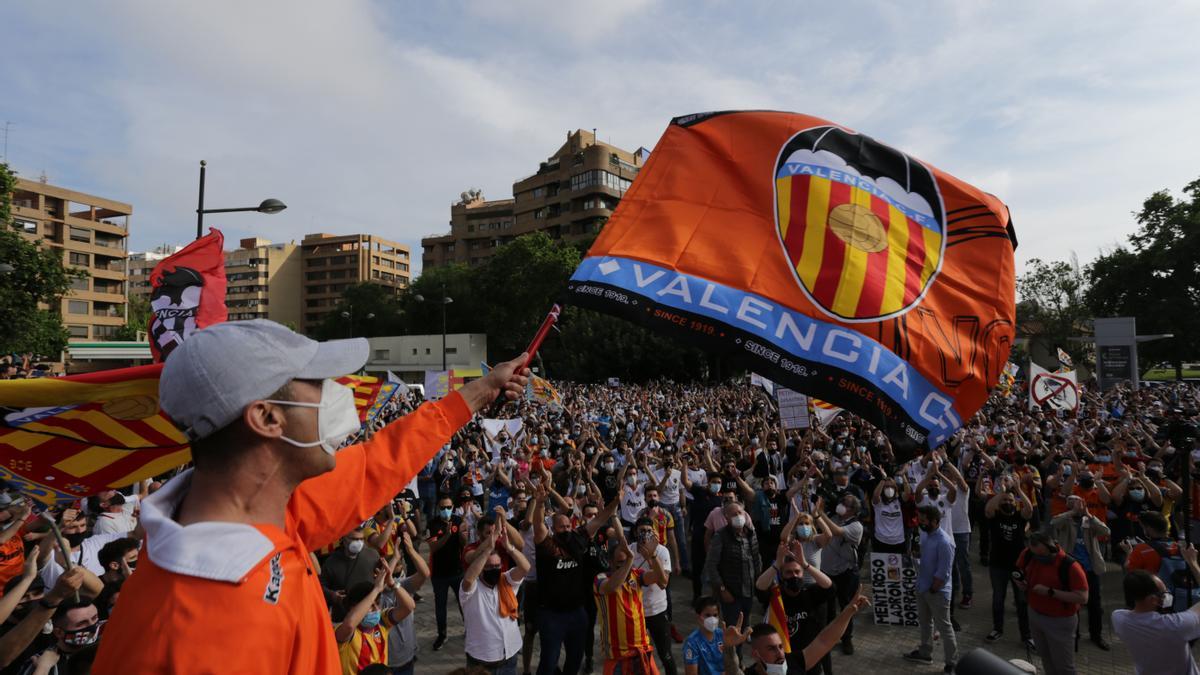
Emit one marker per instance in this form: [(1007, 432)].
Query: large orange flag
[(834, 264)]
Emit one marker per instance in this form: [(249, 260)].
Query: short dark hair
[(1153, 520), (218, 449), (483, 522), (1043, 538), (762, 630), (115, 550), (67, 605), (357, 592), (704, 602), (931, 513), (643, 521), (1138, 585)]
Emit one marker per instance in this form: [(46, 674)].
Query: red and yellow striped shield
[(862, 224)]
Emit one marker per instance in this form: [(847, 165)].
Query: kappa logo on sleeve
[(275, 583)]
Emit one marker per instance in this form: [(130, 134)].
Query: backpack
[(1064, 570), (1174, 573)]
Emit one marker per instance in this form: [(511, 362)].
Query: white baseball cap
[(209, 379)]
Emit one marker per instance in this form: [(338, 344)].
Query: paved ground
[(877, 648)]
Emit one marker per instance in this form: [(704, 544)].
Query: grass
[(1168, 374)]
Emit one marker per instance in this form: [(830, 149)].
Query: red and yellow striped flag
[(777, 617)]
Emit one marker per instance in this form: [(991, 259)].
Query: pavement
[(877, 649)]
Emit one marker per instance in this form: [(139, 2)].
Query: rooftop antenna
[(7, 124), (43, 179)]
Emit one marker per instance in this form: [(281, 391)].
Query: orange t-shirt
[(12, 557), (274, 618), (1048, 575), (1144, 557)]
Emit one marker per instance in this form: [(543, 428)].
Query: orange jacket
[(235, 598)]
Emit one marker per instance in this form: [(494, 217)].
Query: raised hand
[(733, 636)]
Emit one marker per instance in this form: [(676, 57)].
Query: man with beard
[(802, 605), (934, 587), (447, 536), (1008, 514)]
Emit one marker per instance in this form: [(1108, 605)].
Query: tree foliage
[(137, 319), (507, 297), (38, 281), (1156, 278), (364, 310), (1051, 306)]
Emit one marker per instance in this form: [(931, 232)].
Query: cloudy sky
[(373, 116)]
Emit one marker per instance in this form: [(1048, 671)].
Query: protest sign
[(893, 590), (1058, 390), (793, 409)]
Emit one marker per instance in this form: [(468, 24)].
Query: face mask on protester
[(841, 510), (775, 668), (933, 492), (738, 521), (1087, 482), (712, 623), (793, 584), (337, 418), (804, 531), (371, 619), (889, 492), (715, 488), (84, 636), (75, 538), (446, 513), (1168, 599), (609, 466), (928, 527), (355, 546), (491, 577), (1137, 495), (1103, 459), (651, 503)]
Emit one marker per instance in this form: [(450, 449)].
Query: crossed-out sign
[(1058, 391)]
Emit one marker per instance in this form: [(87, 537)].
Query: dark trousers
[(1001, 581), (961, 577), (589, 645), (657, 627), (440, 586), (561, 629), (1095, 611), (699, 555), (845, 586), (506, 667)]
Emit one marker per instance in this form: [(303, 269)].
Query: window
[(80, 234), (315, 276), (315, 262), (470, 228), (599, 178), (451, 350), (427, 351), (539, 192), (414, 351), (106, 331), (541, 213), (337, 274), (79, 284), (78, 307), (383, 354), (77, 331), (81, 259), (338, 260), (27, 226)]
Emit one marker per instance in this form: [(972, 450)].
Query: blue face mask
[(371, 619), (804, 531), (445, 513)]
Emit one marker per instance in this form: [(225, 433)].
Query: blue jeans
[(440, 587), (962, 566), (506, 667), (561, 629), (680, 535)]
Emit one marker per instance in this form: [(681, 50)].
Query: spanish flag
[(778, 618)]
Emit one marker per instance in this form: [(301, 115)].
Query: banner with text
[(893, 590)]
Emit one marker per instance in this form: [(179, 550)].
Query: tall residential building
[(89, 233), (570, 197), (141, 264), (263, 282), (334, 262)]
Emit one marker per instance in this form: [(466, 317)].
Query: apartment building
[(139, 267), (89, 233), (570, 197), (332, 263), (263, 281)]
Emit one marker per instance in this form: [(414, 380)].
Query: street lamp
[(445, 301), (349, 316), (267, 205)]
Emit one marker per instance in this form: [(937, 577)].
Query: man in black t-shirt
[(1008, 514), (804, 605), (565, 578), (447, 536), (705, 498)]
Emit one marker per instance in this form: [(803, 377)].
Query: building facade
[(140, 265), (411, 356), (90, 233), (263, 281), (570, 197), (332, 263)]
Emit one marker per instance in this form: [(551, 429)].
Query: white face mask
[(775, 668), (337, 418), (1168, 600), (738, 521), (712, 623), (841, 510), (889, 492), (355, 546)]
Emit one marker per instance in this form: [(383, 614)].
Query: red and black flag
[(187, 293)]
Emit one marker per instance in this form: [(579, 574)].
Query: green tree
[(364, 310), (1157, 277), (137, 319), (1051, 305), (38, 280)]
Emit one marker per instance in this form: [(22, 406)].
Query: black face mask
[(1019, 460), (491, 577), (75, 538), (793, 585), (1087, 483), (651, 503), (1008, 509)]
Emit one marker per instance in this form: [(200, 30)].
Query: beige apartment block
[(570, 197), (89, 233), (332, 263), (263, 281)]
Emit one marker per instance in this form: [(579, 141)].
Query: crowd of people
[(562, 533)]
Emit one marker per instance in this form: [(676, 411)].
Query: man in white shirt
[(489, 607), (84, 551), (1158, 642), (114, 518), (654, 596)]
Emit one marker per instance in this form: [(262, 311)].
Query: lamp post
[(348, 315), (444, 301), (267, 205)]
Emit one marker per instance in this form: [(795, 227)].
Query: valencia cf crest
[(862, 224)]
